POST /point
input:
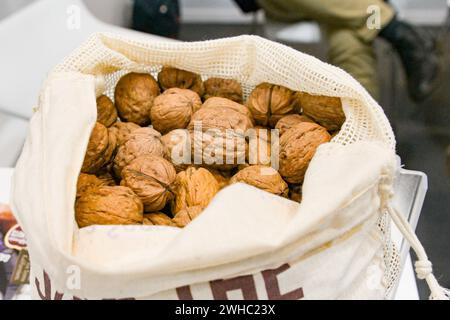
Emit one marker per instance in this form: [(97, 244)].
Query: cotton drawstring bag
[(247, 244)]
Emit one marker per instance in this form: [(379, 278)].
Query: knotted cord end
[(423, 268)]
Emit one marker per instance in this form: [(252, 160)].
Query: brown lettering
[(220, 288), (184, 293), (273, 288), (47, 289)]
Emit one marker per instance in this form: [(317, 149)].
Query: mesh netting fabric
[(249, 60), (391, 256)]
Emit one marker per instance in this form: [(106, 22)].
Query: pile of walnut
[(128, 176)]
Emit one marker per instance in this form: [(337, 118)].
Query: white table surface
[(407, 288)]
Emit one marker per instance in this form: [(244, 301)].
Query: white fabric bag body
[(247, 243)]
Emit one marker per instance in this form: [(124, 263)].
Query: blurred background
[(36, 34)]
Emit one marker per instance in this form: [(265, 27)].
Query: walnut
[(106, 177), (291, 120), (193, 187), (326, 111), (170, 77), (218, 102), (100, 149), (151, 178), (107, 206), (143, 141), (221, 113), (225, 88), (106, 111), (178, 144), (173, 109), (122, 130), (268, 103), (297, 147), (264, 178), (157, 219), (87, 182), (134, 97), (186, 215), (222, 178), (218, 149), (221, 141), (295, 192), (260, 146), (242, 166)]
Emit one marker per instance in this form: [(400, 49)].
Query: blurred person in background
[(448, 162), (345, 23), (160, 17)]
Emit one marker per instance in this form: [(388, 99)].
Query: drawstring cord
[(423, 266)]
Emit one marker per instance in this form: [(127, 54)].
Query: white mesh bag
[(247, 243)]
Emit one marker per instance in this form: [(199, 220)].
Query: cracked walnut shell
[(268, 103), (225, 88), (143, 141), (297, 147), (291, 120), (326, 111), (108, 206), (173, 109), (122, 130), (170, 77), (134, 95), (264, 178), (193, 187), (100, 149), (106, 111), (151, 178), (186, 215)]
